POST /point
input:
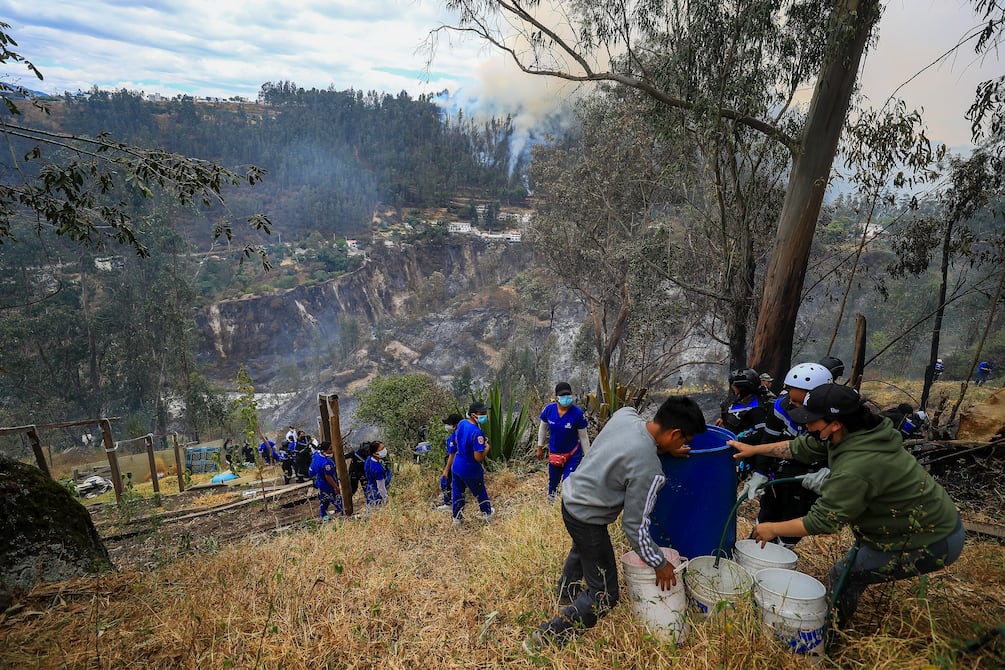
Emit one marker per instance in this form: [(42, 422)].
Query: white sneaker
[(457, 521), (443, 508), (488, 517)]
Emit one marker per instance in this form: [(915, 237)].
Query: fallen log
[(982, 528)]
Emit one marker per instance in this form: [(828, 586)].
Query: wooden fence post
[(179, 466), (331, 430), (113, 458), (36, 447), (149, 441)]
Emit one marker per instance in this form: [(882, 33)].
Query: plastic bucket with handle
[(751, 555), (712, 587), (664, 612), (793, 608)]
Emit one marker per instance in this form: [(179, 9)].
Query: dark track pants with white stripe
[(591, 558)]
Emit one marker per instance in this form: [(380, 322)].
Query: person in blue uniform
[(745, 409), (564, 425), (466, 465), (378, 476), (325, 478), (792, 499), (446, 479), (268, 451), (984, 370)]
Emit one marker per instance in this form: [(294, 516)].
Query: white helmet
[(808, 376)]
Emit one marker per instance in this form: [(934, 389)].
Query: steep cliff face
[(269, 333)]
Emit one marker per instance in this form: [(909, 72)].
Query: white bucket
[(664, 612), (793, 608), (751, 555), (710, 588)]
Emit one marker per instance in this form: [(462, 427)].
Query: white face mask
[(382, 453)]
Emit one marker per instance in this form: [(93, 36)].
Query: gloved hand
[(753, 487), (443, 483), (815, 480)]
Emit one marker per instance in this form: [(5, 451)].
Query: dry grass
[(403, 588)]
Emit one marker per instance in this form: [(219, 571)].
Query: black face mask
[(825, 440)]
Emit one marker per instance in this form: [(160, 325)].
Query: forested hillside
[(331, 156), (92, 329)]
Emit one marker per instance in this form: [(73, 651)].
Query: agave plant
[(504, 429), (611, 397)]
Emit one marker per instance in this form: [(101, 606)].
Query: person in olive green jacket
[(904, 521)]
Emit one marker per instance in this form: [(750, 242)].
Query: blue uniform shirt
[(469, 438), (375, 472), (563, 432), (324, 467)]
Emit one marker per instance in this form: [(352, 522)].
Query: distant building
[(109, 263), (458, 227), (514, 236)]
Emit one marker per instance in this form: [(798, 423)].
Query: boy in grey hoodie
[(621, 472)]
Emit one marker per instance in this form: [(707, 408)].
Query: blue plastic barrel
[(697, 501)]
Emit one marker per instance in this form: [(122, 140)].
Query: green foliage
[(506, 431), (246, 408), (70, 486), (401, 404), (460, 386)]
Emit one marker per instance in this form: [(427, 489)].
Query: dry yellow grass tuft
[(401, 587)]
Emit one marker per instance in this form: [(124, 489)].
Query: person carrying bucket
[(564, 425), (621, 473), (785, 500), (905, 524)]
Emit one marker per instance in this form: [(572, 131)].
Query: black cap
[(829, 401), (478, 407), (563, 388), (453, 419)]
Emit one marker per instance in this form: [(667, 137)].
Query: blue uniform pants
[(330, 498), (477, 486), (558, 474)]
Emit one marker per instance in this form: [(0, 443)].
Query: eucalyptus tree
[(599, 191), (632, 44)]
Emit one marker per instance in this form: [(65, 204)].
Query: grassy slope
[(403, 588)]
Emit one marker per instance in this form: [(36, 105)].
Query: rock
[(984, 422), (45, 533)]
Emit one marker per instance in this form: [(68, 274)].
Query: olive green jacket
[(879, 489)]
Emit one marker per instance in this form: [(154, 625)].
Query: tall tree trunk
[(93, 374), (937, 326), (852, 23)]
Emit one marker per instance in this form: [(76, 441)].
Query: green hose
[(732, 513)]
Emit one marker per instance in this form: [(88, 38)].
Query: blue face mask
[(482, 418), (565, 400)]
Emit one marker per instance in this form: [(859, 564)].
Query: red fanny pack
[(561, 459)]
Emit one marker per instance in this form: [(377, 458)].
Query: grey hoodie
[(621, 471)]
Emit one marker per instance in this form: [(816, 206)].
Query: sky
[(225, 48)]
